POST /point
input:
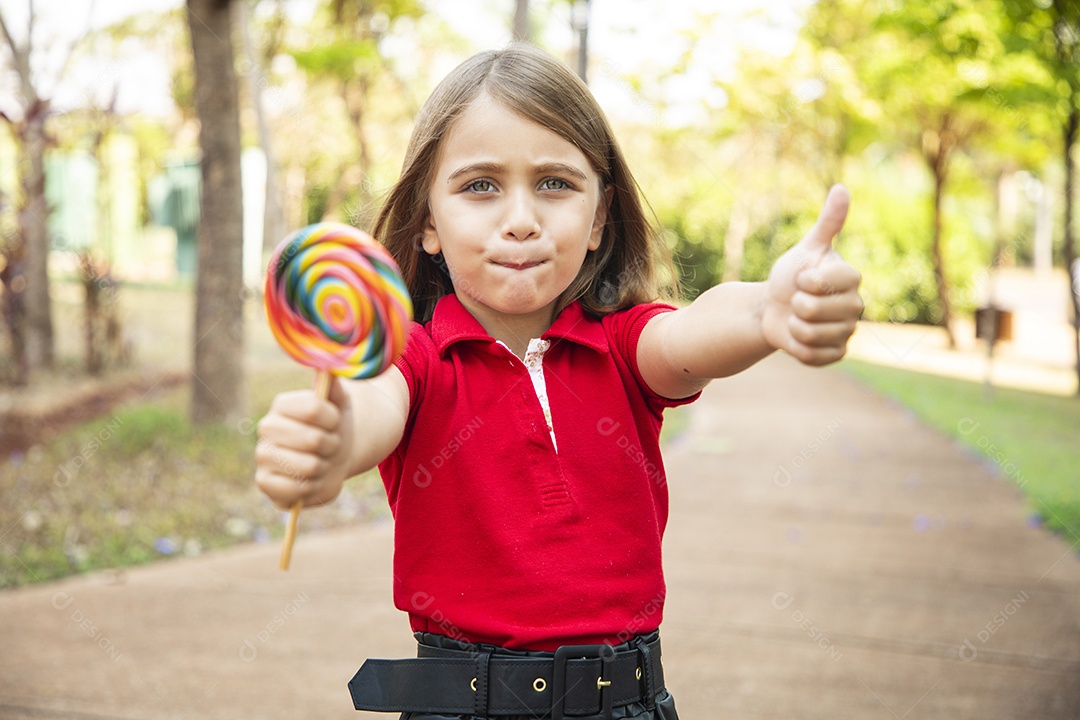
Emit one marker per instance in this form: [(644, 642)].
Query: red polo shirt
[(502, 539)]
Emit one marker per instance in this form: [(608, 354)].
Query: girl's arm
[(808, 307), (309, 446)]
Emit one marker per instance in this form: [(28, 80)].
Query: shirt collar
[(451, 323)]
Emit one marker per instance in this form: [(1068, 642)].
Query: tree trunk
[(33, 221), (92, 278), (521, 29), (1070, 131), (32, 330), (580, 12), (937, 149), (13, 310), (939, 263), (217, 392)]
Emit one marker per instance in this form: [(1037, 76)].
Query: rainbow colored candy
[(336, 301)]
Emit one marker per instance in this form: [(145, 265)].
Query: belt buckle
[(604, 653)]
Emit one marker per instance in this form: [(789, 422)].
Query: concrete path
[(827, 557)]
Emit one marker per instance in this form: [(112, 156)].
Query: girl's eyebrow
[(497, 168)]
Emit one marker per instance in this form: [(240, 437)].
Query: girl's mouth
[(520, 266)]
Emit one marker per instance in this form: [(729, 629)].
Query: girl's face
[(513, 209)]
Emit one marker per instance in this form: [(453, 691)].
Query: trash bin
[(993, 324)]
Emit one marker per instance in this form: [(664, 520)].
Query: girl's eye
[(480, 186), (554, 184)]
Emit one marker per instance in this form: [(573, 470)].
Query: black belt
[(577, 680)]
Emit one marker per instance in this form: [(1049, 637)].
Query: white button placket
[(534, 363)]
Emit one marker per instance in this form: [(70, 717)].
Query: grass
[(1031, 438), (143, 484)]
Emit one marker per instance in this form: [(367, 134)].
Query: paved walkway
[(828, 557)]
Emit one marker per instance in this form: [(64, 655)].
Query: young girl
[(518, 436)]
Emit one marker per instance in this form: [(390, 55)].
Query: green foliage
[(348, 48), (315, 202), (1049, 36), (764, 247), (343, 59), (1026, 438), (697, 248), (887, 237), (952, 83)]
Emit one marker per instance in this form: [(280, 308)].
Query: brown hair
[(624, 271)]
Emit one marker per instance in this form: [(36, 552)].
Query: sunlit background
[(807, 509), (736, 117), (945, 120)]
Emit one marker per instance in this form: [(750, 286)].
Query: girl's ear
[(430, 241), (600, 220)]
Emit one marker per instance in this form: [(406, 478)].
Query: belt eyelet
[(472, 684), (637, 673), (539, 685)]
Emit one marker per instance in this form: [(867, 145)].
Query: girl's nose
[(521, 222)]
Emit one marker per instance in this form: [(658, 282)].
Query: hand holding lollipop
[(336, 302)]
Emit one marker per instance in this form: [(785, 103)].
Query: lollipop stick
[(322, 389), (290, 534)]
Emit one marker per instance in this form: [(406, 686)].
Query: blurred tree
[(347, 55), (939, 103), (1051, 31), (219, 322), (794, 121), (579, 10), (521, 27), (830, 106), (791, 132), (165, 34), (102, 341), (26, 254), (758, 124), (101, 320)]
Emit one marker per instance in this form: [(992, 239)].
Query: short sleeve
[(414, 361), (624, 329), (414, 364)]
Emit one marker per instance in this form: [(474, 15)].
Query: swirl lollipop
[(336, 302)]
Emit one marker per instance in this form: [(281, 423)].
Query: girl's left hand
[(812, 298)]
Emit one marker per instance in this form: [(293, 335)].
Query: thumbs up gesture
[(812, 295)]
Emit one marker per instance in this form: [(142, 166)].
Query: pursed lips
[(519, 265)]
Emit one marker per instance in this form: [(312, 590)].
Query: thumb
[(829, 222), (337, 394)]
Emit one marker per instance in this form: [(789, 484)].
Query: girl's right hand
[(304, 450)]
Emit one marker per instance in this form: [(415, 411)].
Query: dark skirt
[(665, 703)]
